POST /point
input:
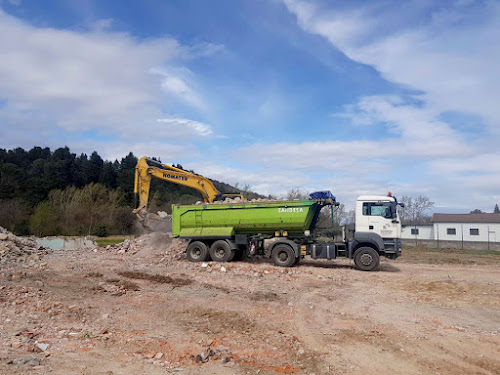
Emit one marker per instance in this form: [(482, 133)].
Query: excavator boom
[(148, 168)]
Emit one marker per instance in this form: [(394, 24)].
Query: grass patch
[(427, 255), (103, 242), (449, 250)]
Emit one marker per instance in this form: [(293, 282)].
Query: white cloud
[(177, 85), (101, 25), (178, 127), (414, 133), (420, 133), (340, 156), (264, 180), (449, 56), (96, 80)]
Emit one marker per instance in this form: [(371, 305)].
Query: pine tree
[(95, 167), (108, 175), (496, 210)]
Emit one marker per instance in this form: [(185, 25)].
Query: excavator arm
[(146, 169)]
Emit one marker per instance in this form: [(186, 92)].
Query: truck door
[(380, 219)]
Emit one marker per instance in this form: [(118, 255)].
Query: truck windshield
[(384, 209)]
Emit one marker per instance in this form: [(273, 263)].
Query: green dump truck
[(285, 231)]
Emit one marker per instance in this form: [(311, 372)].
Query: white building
[(456, 227), (418, 232), (467, 227)]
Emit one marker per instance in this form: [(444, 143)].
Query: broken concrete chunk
[(42, 346)]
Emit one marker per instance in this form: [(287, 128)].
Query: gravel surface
[(146, 310)]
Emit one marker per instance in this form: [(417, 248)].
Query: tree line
[(496, 210), (47, 192)]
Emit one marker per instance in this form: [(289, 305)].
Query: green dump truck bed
[(227, 220)]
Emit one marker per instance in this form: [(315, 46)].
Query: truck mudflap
[(322, 251)]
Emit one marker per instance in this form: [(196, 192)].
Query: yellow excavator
[(147, 168)]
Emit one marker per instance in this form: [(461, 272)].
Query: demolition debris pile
[(14, 249), (152, 244), (239, 200)]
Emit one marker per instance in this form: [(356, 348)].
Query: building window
[(474, 232), (414, 231), (451, 231)]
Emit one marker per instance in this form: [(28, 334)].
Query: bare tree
[(340, 216), (350, 217), (343, 217), (325, 217), (414, 209), (246, 188), (296, 194)]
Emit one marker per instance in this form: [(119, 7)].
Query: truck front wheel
[(197, 251), (221, 251), (366, 259), (283, 256)]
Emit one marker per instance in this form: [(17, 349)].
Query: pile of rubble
[(160, 222), (14, 249), (156, 243)]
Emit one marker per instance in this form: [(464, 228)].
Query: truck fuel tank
[(322, 250)]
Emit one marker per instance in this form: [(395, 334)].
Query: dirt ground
[(103, 312)]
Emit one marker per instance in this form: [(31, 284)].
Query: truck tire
[(221, 251), (283, 256), (240, 254), (197, 251), (366, 259), (233, 255)]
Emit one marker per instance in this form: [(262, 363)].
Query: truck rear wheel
[(283, 256), (221, 251), (197, 251), (366, 259)]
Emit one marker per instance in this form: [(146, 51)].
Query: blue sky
[(355, 97)]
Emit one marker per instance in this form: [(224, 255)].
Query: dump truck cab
[(377, 226), (378, 214)]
